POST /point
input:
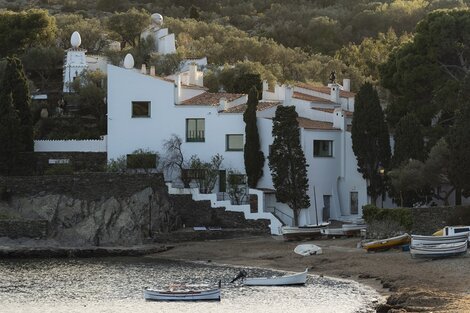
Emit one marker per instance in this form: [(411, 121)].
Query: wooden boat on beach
[(183, 293), (438, 251), (302, 232), (287, 280), (417, 240), (387, 243)]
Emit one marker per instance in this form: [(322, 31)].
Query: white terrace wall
[(71, 145)]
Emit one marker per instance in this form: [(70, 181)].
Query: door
[(222, 181), (326, 207), (354, 202)]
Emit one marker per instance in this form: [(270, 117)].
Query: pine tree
[(287, 161), (15, 82), (254, 158), (459, 142), (10, 146), (370, 139), (409, 141)]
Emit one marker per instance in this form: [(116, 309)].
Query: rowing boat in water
[(438, 251), (183, 293), (387, 243)]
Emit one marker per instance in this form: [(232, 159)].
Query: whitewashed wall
[(70, 145)]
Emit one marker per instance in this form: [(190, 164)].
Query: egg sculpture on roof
[(75, 39), (157, 19), (129, 61)]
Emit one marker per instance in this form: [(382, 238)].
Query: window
[(195, 129), (140, 108), (323, 148), (234, 142), (354, 202)]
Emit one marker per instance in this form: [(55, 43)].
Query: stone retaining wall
[(200, 213), (85, 186), (23, 228), (427, 220), (80, 161)]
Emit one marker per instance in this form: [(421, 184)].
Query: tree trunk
[(373, 200), (458, 196), (296, 217)]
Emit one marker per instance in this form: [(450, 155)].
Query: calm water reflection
[(115, 285)]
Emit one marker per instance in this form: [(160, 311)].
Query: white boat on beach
[(438, 250), (308, 249), (302, 232), (286, 280), (183, 293), (417, 240), (452, 230)]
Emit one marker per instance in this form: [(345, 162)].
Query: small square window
[(234, 142), (323, 148), (140, 109)]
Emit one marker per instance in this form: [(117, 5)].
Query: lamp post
[(381, 171)]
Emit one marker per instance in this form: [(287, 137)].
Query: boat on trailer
[(439, 250), (417, 240), (183, 293), (387, 243)]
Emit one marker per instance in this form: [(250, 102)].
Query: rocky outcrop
[(80, 216)]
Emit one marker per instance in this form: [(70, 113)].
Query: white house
[(145, 110)]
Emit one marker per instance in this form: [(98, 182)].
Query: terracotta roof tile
[(328, 110), (325, 90), (303, 96), (242, 107), (213, 99), (311, 124)]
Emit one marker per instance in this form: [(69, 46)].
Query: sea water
[(116, 285)]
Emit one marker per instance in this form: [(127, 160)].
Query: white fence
[(275, 225), (71, 145)]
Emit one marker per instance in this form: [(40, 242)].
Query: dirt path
[(415, 285)]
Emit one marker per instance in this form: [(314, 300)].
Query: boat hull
[(438, 251), (417, 240), (303, 232), (288, 280), (204, 295), (387, 243)]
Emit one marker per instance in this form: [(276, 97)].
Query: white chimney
[(334, 93), (177, 88), (339, 121), (346, 84), (223, 104), (193, 74), (143, 69), (152, 70)]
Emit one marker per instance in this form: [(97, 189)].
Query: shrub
[(402, 216)]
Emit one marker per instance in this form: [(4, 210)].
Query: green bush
[(59, 169), (402, 216)]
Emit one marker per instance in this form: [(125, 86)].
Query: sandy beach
[(411, 285)]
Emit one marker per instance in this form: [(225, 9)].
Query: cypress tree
[(10, 147), (254, 158), (370, 139), (458, 140), (287, 161), (15, 82), (409, 141)]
